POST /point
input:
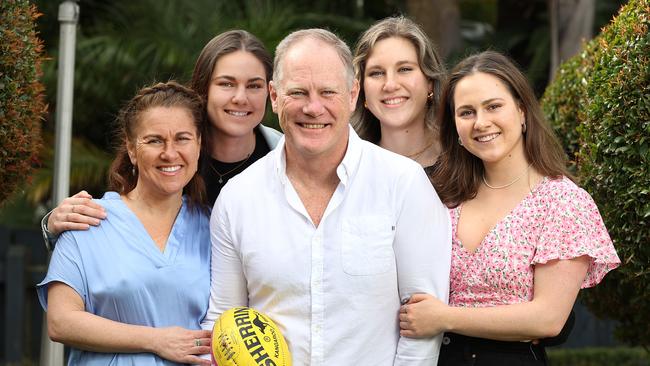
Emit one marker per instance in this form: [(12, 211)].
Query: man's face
[(313, 101)]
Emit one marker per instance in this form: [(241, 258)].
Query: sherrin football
[(245, 337)]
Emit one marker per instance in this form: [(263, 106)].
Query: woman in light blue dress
[(133, 290)]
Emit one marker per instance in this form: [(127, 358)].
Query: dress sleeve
[(65, 266), (572, 228)]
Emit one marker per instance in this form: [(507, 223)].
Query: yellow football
[(245, 337)]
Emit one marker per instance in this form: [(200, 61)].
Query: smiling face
[(165, 150), (313, 100), (394, 85), (237, 94), (488, 119)]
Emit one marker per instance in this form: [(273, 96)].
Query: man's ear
[(354, 94), (273, 94)]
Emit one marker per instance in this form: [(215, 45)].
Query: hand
[(179, 345), (75, 213), (422, 316)]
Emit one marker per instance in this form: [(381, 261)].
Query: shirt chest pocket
[(367, 245)]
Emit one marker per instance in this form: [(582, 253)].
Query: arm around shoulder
[(78, 212)]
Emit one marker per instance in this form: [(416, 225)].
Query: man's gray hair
[(318, 34)]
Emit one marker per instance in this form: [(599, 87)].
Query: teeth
[(393, 101), (237, 114), (313, 125), (487, 137), (170, 169)]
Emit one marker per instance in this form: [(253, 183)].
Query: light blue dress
[(121, 275)]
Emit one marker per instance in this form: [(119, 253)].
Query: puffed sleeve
[(66, 266), (572, 228)]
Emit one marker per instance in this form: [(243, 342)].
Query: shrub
[(600, 105), (619, 356), (21, 94), (561, 101)]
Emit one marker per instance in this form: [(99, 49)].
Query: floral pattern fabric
[(556, 220)]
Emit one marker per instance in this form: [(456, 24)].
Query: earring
[(459, 141), (133, 170), (365, 104), (523, 127), (430, 95)]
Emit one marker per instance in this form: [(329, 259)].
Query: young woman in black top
[(231, 75)]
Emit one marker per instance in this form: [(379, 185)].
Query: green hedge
[(600, 106), (619, 356), (21, 94)]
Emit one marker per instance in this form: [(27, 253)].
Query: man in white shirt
[(327, 234)]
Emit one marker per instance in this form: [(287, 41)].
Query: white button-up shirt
[(334, 290)]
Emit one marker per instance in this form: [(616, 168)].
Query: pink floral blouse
[(557, 220)]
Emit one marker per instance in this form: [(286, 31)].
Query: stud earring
[(460, 142), (430, 95), (365, 104)]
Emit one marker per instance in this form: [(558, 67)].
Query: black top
[(430, 169), (216, 173)]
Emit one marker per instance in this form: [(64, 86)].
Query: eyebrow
[(485, 102), (399, 63), (232, 78), (163, 137)]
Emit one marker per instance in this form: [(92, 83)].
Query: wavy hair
[(170, 94), (459, 173), (364, 122)]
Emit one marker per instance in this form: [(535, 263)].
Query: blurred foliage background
[(600, 105), (123, 45)]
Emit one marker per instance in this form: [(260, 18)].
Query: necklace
[(507, 184), (417, 154), (221, 175)]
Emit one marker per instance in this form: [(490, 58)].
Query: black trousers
[(459, 350)]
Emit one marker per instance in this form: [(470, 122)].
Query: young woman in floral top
[(525, 237)]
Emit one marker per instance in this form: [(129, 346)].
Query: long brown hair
[(123, 175), (364, 122), (219, 46), (459, 173)]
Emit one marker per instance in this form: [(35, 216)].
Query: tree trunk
[(440, 19), (572, 22)]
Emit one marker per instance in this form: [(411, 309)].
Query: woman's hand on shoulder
[(75, 213), (423, 316), (183, 345)]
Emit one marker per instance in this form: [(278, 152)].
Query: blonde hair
[(364, 122)]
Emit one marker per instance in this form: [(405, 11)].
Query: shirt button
[(446, 340)]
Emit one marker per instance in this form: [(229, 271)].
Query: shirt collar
[(350, 161), (345, 170)]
